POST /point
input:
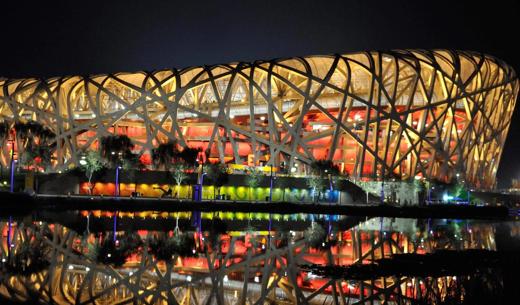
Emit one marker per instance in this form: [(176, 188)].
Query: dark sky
[(84, 37)]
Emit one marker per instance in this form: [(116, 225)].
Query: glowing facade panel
[(396, 114)]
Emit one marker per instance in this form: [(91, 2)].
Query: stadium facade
[(397, 114)]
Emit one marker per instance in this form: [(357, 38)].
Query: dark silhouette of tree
[(166, 248), (254, 176), (218, 175), (315, 235), (115, 149), (5, 130), (321, 171), (133, 161), (324, 167), (189, 155), (35, 144), (282, 183), (37, 156), (115, 253), (21, 134), (317, 184), (31, 256), (164, 155)]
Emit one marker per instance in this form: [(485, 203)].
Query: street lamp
[(201, 184), (271, 186), (12, 165), (430, 188), (118, 168), (10, 225), (382, 190)]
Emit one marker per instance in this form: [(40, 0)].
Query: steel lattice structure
[(400, 114), (225, 275)]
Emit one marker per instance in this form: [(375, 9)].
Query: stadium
[(377, 115)]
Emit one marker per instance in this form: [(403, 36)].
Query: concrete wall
[(285, 188), (57, 184)]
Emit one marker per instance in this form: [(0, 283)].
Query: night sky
[(85, 37)]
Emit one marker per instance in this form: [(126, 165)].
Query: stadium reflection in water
[(234, 258)]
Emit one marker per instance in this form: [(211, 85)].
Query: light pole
[(271, 186), (200, 178), (291, 172), (118, 168), (12, 166), (430, 188), (331, 187), (115, 226), (197, 215), (117, 181), (382, 190), (11, 188), (201, 184)]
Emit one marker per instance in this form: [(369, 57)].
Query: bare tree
[(178, 171)]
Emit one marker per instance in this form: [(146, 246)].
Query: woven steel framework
[(246, 269), (396, 114)]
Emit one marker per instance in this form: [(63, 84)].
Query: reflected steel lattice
[(72, 278), (376, 114)]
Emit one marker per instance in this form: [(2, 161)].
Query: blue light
[(447, 197)]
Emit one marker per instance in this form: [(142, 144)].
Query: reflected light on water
[(232, 257)]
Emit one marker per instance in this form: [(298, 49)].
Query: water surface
[(101, 257)]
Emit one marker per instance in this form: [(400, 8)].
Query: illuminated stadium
[(399, 114)]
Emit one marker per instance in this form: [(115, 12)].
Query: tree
[(5, 130), (115, 149), (165, 248), (323, 167), (315, 236), (21, 133), (35, 144), (282, 183), (218, 175), (459, 190), (319, 170), (165, 154), (189, 155), (91, 163), (37, 156), (254, 177), (178, 171), (32, 256), (420, 189), (115, 252), (132, 161), (317, 184)]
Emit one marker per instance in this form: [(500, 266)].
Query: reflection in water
[(234, 259)]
